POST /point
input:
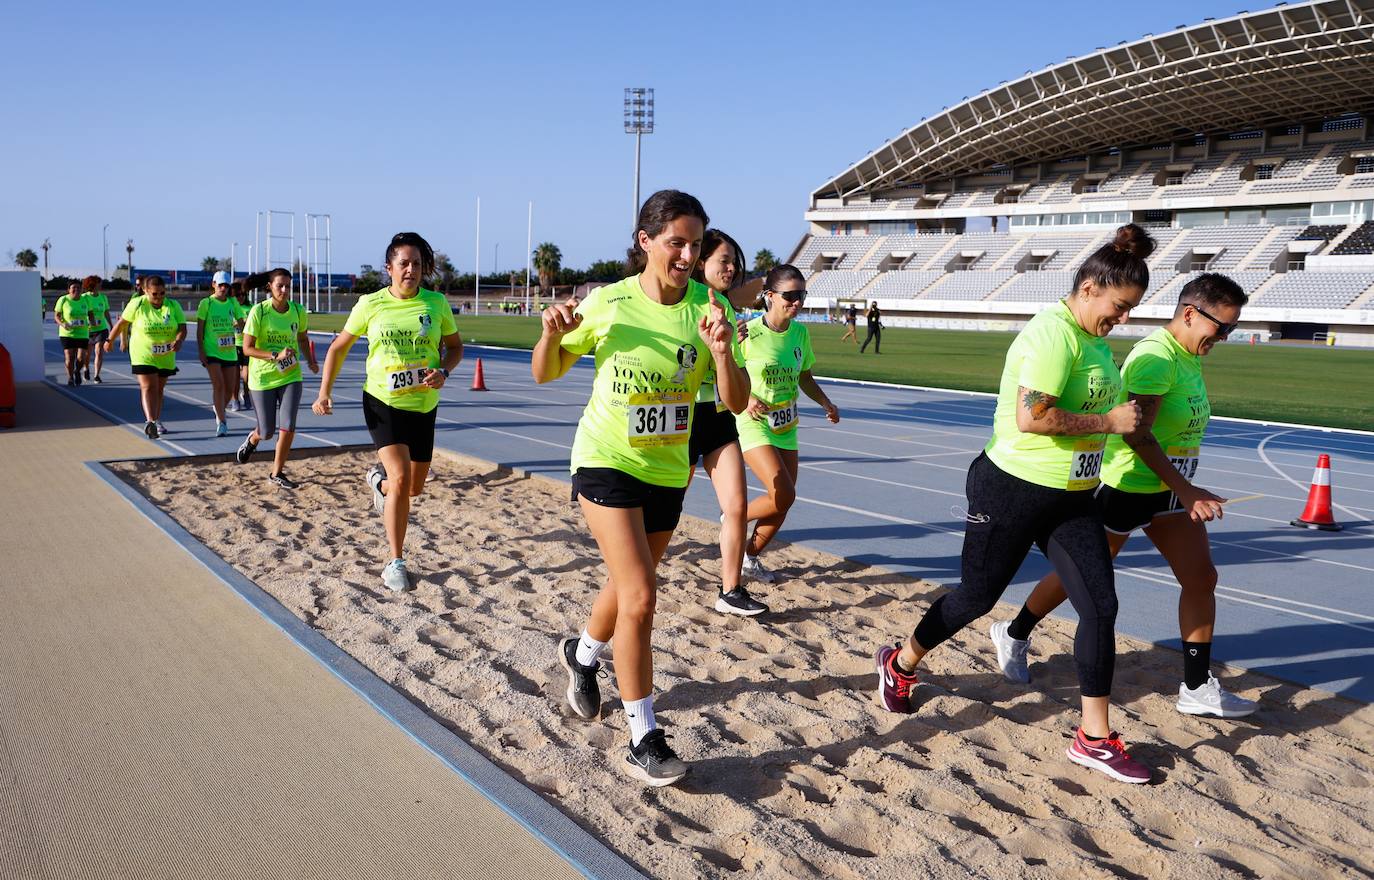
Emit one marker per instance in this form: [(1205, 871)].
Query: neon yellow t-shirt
[(1053, 355), (99, 304), (275, 331), (402, 345), (775, 362), (153, 331), (220, 317), (650, 361), (1159, 365), (75, 311)]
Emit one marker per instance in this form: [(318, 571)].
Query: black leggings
[(875, 336), (1006, 516)]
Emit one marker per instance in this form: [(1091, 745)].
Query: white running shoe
[(752, 568), (1011, 653), (394, 576), (1212, 699), (221, 429), (375, 475)]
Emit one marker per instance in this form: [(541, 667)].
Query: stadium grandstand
[(1243, 144)]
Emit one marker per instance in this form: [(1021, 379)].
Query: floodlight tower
[(639, 121), (129, 249)]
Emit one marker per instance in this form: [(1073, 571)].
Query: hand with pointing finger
[(561, 318)]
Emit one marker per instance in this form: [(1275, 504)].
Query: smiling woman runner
[(404, 325), (1147, 483), (218, 319), (715, 439), (1033, 485), (654, 334), (274, 338), (778, 355), (156, 327)]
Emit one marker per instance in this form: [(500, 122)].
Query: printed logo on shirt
[(686, 360), (797, 353), (425, 322)]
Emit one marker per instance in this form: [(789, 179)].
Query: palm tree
[(548, 259), (763, 261), (210, 264), (26, 259)]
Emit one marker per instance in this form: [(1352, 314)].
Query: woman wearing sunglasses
[(778, 356), (1147, 484)]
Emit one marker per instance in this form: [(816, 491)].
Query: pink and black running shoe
[(1107, 756), (894, 685)]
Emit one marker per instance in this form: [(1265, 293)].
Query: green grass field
[(1287, 383)]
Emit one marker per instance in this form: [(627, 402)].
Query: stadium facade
[(1244, 144)]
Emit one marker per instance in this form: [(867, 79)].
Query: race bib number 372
[(659, 419)]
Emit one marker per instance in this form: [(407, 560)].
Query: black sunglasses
[(1222, 329), (792, 296)]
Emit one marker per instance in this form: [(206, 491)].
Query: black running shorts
[(99, 337), (150, 370), (710, 431), (74, 342), (1124, 512), (608, 487), (390, 426)]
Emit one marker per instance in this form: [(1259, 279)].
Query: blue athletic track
[(885, 487)]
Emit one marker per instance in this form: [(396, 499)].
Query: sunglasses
[(1222, 329), (792, 296)]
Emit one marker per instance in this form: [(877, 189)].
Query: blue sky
[(175, 123)]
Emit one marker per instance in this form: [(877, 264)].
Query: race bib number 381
[(1086, 465), (659, 419)]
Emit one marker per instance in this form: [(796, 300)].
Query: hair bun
[(1132, 239)]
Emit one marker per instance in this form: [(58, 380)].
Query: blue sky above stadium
[(175, 123)]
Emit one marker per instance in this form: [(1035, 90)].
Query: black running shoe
[(77, 378), (71, 383), (99, 381), (87, 373), (150, 430), (654, 762), (584, 693), (283, 480), (738, 601), (244, 452)]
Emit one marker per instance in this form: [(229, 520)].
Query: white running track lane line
[(1260, 451), (1153, 578), (816, 467), (117, 420), (198, 401)]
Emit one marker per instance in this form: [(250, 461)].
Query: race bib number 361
[(226, 341), (659, 419), (1086, 465)]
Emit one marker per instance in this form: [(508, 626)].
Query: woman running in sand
[(654, 334)]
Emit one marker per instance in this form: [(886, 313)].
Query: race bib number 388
[(1086, 465), (659, 419)]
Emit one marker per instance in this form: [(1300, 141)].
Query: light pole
[(47, 244), (129, 249), (529, 254), (639, 121), (105, 252)]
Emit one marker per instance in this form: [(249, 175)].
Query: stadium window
[(1090, 187), (1173, 180), (1245, 217), (1264, 172), (1364, 164)]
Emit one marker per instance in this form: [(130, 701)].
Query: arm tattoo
[(1037, 402), (1051, 420)]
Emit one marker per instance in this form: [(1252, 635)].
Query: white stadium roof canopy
[(1289, 64)]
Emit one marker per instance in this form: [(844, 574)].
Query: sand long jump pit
[(796, 771)]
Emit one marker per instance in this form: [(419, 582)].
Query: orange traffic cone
[(1317, 513), (478, 382)]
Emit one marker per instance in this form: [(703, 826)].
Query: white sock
[(641, 715), (589, 649)]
